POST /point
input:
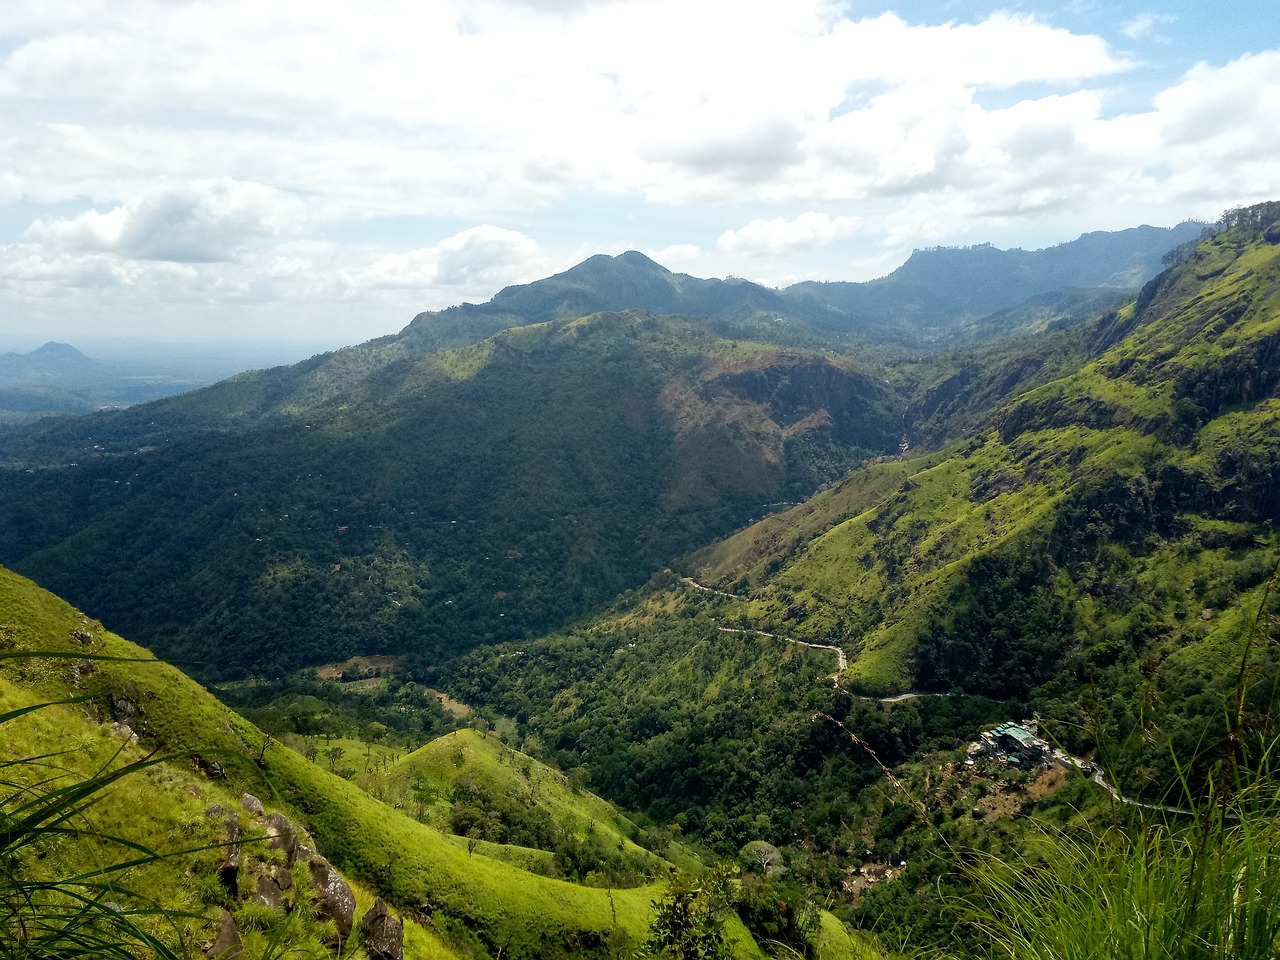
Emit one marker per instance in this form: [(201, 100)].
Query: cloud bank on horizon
[(324, 171)]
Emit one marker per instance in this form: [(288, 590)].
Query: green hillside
[(1096, 553), (499, 470), (484, 789)]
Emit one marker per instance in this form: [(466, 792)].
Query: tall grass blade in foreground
[(48, 913)]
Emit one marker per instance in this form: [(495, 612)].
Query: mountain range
[(934, 292)]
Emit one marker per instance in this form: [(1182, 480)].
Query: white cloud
[(201, 222), (779, 237), (472, 264), (1228, 110), (343, 293), (1146, 26), (476, 107), (678, 256), (1001, 51), (217, 136)]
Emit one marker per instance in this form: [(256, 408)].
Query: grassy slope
[(162, 807), (358, 833), (496, 770)]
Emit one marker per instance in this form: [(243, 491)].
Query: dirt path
[(899, 698), (841, 659), (1100, 779), (689, 581)]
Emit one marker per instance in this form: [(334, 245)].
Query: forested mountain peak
[(600, 283)]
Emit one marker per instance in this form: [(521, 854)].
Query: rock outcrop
[(227, 945), (282, 836), (268, 893), (381, 934), (229, 865), (334, 899)]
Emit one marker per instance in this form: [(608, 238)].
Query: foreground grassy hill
[(105, 691), (498, 794)]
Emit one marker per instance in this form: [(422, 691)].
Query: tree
[(762, 855), (334, 754), (688, 920)]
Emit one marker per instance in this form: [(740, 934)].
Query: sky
[(186, 170)]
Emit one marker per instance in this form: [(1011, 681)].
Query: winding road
[(842, 660)]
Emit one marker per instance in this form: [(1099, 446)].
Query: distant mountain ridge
[(57, 378), (49, 361), (940, 287), (933, 291)]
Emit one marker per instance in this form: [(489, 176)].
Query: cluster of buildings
[(1014, 743)]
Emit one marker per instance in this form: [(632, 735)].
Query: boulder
[(334, 899), (251, 804), (210, 768), (282, 836), (229, 865), (268, 893), (226, 945), (381, 934), (124, 706)]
